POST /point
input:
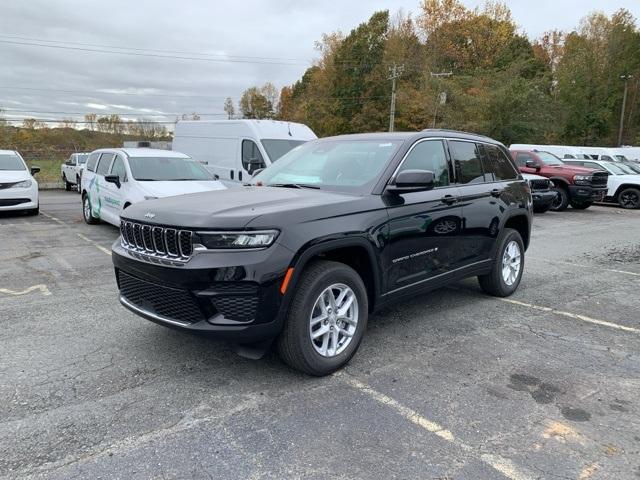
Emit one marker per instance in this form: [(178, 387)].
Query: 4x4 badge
[(149, 215)]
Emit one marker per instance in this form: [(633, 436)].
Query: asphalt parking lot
[(453, 385)]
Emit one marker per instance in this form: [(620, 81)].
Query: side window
[(104, 163), (496, 165), (118, 169), (592, 165), (91, 163), (523, 158), (251, 156), (466, 157), (428, 155)]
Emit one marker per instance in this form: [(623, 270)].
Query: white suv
[(18, 188), (116, 178)]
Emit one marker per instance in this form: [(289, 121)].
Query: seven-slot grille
[(540, 184), (157, 241), (599, 179)]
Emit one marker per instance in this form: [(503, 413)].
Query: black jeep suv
[(332, 231)]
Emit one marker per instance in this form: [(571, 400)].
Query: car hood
[(173, 188), (235, 208), (573, 169), (9, 176)]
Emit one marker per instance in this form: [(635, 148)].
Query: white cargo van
[(235, 149)]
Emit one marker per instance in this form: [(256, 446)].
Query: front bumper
[(232, 295), (19, 198), (587, 193), (543, 199)]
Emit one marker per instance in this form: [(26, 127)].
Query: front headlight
[(219, 240), (582, 179), (24, 184)]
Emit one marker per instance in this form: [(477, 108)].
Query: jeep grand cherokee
[(334, 230)]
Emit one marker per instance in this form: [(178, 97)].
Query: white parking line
[(575, 316), (624, 272), (55, 219), (95, 244), (43, 289), (503, 465)]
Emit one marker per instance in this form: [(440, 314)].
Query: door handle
[(449, 199), (496, 192)]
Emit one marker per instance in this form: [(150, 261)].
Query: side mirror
[(34, 170), (532, 164), (409, 181), (115, 179), (254, 164)]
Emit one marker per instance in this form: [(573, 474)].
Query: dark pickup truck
[(575, 186)]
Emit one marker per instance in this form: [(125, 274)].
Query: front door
[(113, 198), (251, 160), (424, 227)]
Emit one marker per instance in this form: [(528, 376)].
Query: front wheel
[(629, 198), (67, 185), (326, 319), (561, 202), (508, 266), (87, 211), (78, 185), (581, 205)]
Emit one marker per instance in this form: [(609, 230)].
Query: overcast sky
[(248, 42)]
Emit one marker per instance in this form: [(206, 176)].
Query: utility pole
[(626, 79), (442, 96), (396, 72)]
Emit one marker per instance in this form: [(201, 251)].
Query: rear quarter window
[(496, 165)]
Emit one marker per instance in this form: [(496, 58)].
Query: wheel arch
[(356, 252), (559, 182), (521, 223), (624, 186)]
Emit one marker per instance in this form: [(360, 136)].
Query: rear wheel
[(508, 266), (67, 186), (326, 319), (561, 201), (87, 211), (581, 205), (629, 198), (78, 185)]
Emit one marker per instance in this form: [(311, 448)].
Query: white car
[(116, 178), (71, 171), (623, 184), (18, 188)]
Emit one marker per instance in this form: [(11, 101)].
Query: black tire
[(67, 185), (294, 344), (581, 205), (493, 283), (541, 209), (562, 200), (629, 198), (34, 211), (88, 218), (78, 185)]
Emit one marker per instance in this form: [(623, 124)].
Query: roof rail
[(455, 131)]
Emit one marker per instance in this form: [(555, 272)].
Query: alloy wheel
[(333, 320), (629, 200), (511, 263)]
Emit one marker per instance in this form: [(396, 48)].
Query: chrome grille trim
[(156, 242)]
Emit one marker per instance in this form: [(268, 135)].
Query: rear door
[(424, 227), (484, 175)]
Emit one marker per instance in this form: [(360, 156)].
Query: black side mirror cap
[(532, 164), (115, 179), (34, 170), (412, 181)]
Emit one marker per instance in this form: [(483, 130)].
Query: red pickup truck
[(576, 186)]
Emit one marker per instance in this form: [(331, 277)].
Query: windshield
[(339, 165), (622, 158), (10, 161), (615, 168), (277, 148), (549, 158), (148, 169), (82, 158)]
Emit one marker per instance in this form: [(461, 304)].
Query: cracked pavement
[(89, 390)]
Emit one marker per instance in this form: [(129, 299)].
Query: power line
[(8, 110), (179, 52), (154, 55)]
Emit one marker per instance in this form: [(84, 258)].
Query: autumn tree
[(257, 102)]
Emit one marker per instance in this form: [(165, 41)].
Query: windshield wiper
[(293, 185), (146, 179)]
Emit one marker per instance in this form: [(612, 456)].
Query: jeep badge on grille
[(149, 215)]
